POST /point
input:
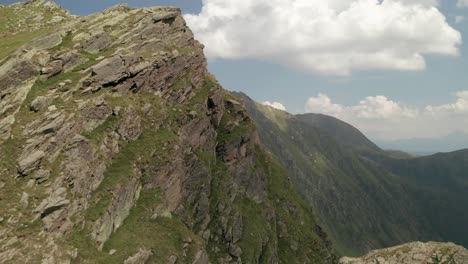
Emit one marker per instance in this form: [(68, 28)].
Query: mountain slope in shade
[(439, 186), (365, 197), (342, 132), (361, 207)]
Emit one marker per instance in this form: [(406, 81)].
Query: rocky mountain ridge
[(118, 146)]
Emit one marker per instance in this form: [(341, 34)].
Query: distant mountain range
[(366, 197), (427, 146)]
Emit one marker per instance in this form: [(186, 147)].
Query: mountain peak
[(48, 5)]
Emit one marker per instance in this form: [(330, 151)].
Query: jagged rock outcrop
[(51, 207), (123, 200), (414, 253), (16, 80), (120, 147)]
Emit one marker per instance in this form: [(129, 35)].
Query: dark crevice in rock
[(169, 21), (50, 210)]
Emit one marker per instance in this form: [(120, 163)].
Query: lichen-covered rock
[(51, 123), (97, 42), (130, 127), (82, 169), (39, 103), (56, 201), (52, 68), (30, 162), (172, 260), (71, 59), (41, 176), (95, 114), (124, 199), (46, 42), (139, 258), (5, 126), (16, 79), (201, 258), (414, 253)]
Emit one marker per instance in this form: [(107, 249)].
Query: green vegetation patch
[(207, 89), (93, 58), (12, 43), (242, 128), (276, 116), (302, 242), (18, 26), (122, 166), (164, 236), (97, 134), (257, 230), (40, 88)]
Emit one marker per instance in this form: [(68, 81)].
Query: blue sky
[(269, 79), (85, 7)]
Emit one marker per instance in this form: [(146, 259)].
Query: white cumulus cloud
[(330, 37), (460, 106), (384, 119), (462, 3), (276, 105), (323, 104)]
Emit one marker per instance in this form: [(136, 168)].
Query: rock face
[(139, 258), (118, 146), (414, 253), (124, 199), (30, 162), (39, 103)]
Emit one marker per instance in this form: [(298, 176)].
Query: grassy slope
[(438, 185), (342, 132), (18, 26), (361, 206)]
